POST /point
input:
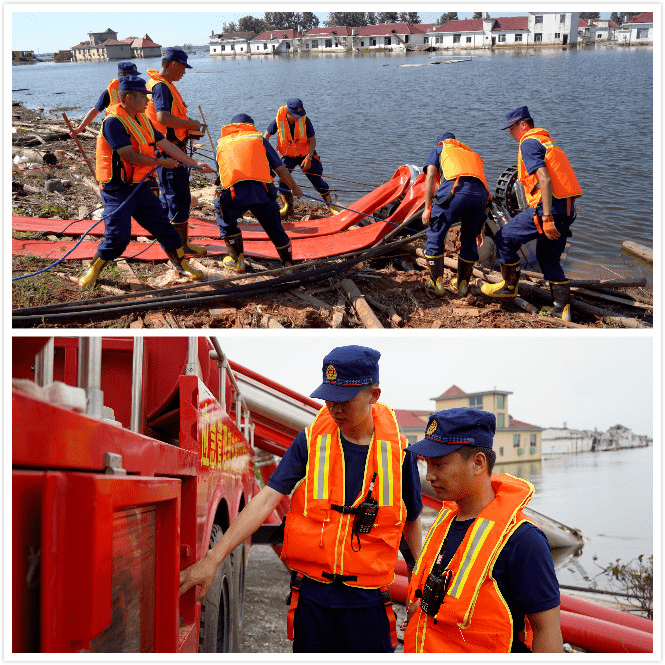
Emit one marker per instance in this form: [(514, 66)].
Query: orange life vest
[(142, 138), (564, 182), (288, 145), (178, 106), (474, 617), (459, 160), (318, 538), (114, 94), (241, 155)]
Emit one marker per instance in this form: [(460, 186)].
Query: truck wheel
[(219, 631)]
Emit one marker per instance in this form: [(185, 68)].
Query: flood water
[(371, 115), (608, 496)]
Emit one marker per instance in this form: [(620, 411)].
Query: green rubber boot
[(508, 287), (89, 277)]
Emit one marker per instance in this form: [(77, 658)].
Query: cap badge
[(432, 428), (331, 373)]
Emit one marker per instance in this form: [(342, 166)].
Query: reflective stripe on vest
[(474, 617), (564, 181), (459, 160), (241, 155), (287, 145), (178, 106), (142, 139), (317, 538)]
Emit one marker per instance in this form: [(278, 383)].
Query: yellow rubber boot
[(331, 206), (508, 287), (560, 308), (286, 257), (235, 259), (464, 272), (183, 231), (285, 202), (434, 285), (89, 277), (177, 258)]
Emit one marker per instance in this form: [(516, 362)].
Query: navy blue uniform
[(336, 617), (316, 168), (173, 183), (103, 101), (524, 572), (521, 228), (259, 199), (144, 206), (468, 203)]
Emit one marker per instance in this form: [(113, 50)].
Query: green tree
[(282, 20), (388, 17), (588, 15), (477, 15), (252, 24), (308, 20), (370, 18), (229, 27), (350, 19), (448, 16), (409, 17), (626, 16)]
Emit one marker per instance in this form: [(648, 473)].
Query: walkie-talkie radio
[(436, 586), (366, 512)]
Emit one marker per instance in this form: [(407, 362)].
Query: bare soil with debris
[(392, 287)]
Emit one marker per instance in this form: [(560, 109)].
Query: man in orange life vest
[(296, 143), (125, 156), (551, 188), (462, 193), (108, 98), (360, 493), (245, 160), (484, 581), (168, 113)]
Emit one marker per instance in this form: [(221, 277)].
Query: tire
[(219, 630)]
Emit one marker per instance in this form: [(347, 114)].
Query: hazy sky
[(595, 380), (50, 27)]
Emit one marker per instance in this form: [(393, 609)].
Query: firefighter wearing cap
[(457, 175), (168, 113), (484, 581), (126, 156), (109, 98), (338, 600), (551, 188), (245, 160), (296, 143)]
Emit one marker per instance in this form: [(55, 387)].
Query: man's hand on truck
[(203, 572)]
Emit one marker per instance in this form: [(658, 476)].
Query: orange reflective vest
[(287, 145), (241, 155), (142, 138), (474, 617), (564, 182), (459, 160), (318, 539), (114, 94), (178, 106)]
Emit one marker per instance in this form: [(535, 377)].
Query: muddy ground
[(392, 286)]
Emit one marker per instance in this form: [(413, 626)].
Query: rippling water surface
[(371, 115)]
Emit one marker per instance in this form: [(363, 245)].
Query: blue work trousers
[(230, 209), (313, 174), (319, 629), (521, 229), (175, 195), (146, 209), (471, 209)]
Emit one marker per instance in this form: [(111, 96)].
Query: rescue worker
[(457, 175), (125, 156), (110, 96), (351, 458), (245, 160), (296, 143), (551, 188), (484, 581), (168, 113)]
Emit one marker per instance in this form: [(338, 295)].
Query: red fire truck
[(131, 456)]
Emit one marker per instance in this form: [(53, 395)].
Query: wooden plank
[(364, 311), (641, 251)]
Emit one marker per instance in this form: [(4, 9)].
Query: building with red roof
[(106, 46), (230, 43), (274, 42), (641, 28)]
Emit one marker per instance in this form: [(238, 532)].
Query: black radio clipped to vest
[(366, 512), (434, 591)]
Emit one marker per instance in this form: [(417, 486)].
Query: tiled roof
[(452, 392), (339, 30), (644, 17), (275, 34), (464, 25), (386, 29), (518, 424), (144, 42), (412, 419), (511, 23), (233, 35)]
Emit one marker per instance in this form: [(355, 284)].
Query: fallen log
[(600, 295), (395, 319), (641, 251), (364, 311)]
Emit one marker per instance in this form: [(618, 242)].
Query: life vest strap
[(292, 602), (346, 510), (390, 613), (339, 578)]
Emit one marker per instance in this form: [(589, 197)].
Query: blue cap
[(132, 83), (449, 430), (242, 117), (520, 113), (127, 68), (178, 55), (443, 137), (346, 371), (295, 107)]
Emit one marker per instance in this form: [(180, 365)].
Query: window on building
[(315, 43), (265, 47), (457, 39), (642, 33), (557, 35), (533, 451), (328, 43), (532, 439), (501, 399), (288, 46), (538, 19), (387, 41), (223, 48), (406, 39), (426, 40), (516, 440), (562, 18), (476, 402), (373, 42), (538, 37), (502, 38), (468, 40), (362, 43), (438, 40), (500, 451), (500, 420), (518, 38)]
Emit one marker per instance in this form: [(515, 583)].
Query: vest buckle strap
[(339, 578), (292, 602), (390, 614), (345, 510)]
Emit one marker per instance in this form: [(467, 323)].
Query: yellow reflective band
[(385, 475), (479, 533), (321, 466)]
